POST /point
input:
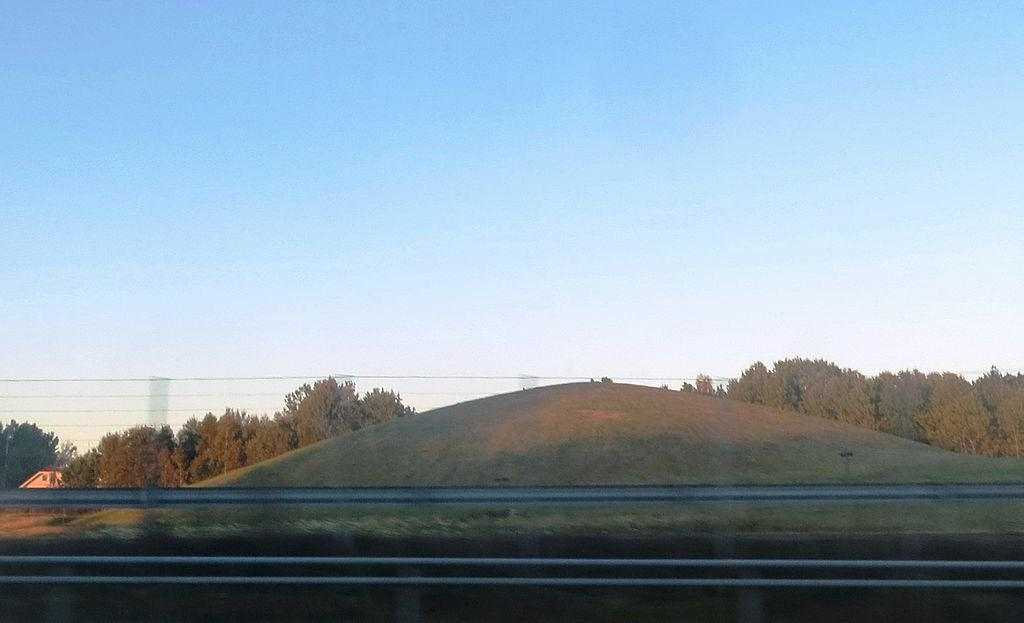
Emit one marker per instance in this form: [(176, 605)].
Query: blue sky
[(622, 189)]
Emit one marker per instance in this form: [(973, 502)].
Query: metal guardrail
[(503, 496), (409, 574), (468, 561), (410, 570), (66, 578), (412, 581)]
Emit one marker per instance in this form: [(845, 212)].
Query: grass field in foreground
[(917, 517)]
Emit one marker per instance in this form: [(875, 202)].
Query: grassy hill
[(600, 433)]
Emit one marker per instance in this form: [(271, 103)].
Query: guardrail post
[(58, 601), (750, 603), (407, 599)]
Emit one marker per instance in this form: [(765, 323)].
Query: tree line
[(984, 417), (148, 456)]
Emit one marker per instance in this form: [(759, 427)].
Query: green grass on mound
[(600, 434)]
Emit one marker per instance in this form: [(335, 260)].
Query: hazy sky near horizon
[(621, 189)]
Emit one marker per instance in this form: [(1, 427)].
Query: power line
[(126, 424), (220, 394), (99, 396), (188, 409), (426, 377), (408, 377), (131, 410), (147, 379)]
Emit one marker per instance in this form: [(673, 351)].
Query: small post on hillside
[(847, 455)]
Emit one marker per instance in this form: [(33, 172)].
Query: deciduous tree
[(24, 450), (955, 418)]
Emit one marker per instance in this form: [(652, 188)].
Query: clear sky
[(550, 188)]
